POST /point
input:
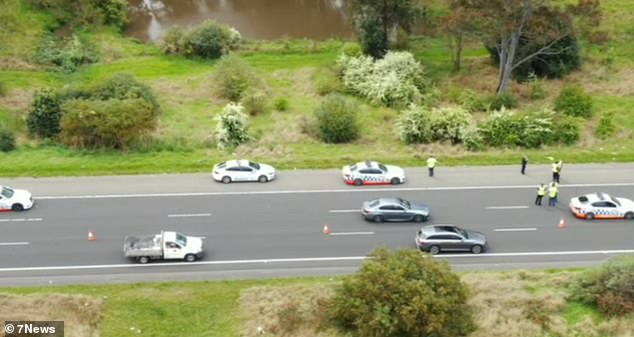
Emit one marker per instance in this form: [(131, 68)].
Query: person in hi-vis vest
[(431, 163)]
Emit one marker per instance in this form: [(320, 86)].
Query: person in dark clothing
[(524, 163)]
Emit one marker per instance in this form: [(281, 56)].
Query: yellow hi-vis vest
[(555, 167), (552, 191), (431, 162), (541, 190)]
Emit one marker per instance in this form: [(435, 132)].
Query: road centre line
[(343, 211), (308, 259), (506, 207), (188, 215), (342, 190), (14, 243), (515, 229), (20, 220), (353, 233)]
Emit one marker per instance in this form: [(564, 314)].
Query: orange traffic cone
[(327, 229), (562, 223), (91, 236)]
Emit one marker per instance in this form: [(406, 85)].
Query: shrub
[(374, 42), (254, 102), (608, 287), (7, 141), (505, 99), (504, 128), (472, 139), (43, 118), (114, 12), (567, 130), (396, 80), (337, 120), (232, 126), (280, 104), (172, 41), (210, 40), (536, 86), (120, 86), (606, 127), (403, 294), (233, 77), (574, 101), (105, 124), (413, 125), (66, 55), (472, 101), (449, 124)]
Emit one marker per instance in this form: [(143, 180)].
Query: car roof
[(389, 200), (367, 164), (598, 196), (437, 229), (237, 162)]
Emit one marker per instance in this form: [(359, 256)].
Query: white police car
[(372, 173), (242, 170), (14, 199), (601, 206)]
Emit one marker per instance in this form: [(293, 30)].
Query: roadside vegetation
[(583, 113), (593, 302)]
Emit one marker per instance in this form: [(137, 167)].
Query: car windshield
[(353, 167), (382, 167), (462, 232), (405, 203), (374, 203), (254, 165), (7, 192), (181, 239), (615, 201)]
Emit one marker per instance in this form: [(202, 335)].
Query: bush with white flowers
[(233, 125), (449, 124), (413, 125), (395, 80)]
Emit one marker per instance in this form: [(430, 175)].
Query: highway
[(275, 229)]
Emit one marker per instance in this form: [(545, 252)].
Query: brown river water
[(254, 19)]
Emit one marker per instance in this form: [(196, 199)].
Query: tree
[(503, 23), (403, 293), (376, 20)]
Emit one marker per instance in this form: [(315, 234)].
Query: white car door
[(248, 174), (172, 251), (4, 203)]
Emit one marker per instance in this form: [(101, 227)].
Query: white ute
[(164, 246)]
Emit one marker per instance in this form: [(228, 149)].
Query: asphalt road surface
[(275, 229)]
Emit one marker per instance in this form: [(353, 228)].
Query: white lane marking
[(514, 229), (188, 215), (507, 207), (353, 233), (350, 190), (344, 211), (308, 259), (20, 220), (14, 243)]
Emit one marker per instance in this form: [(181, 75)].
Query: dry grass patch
[(81, 314)]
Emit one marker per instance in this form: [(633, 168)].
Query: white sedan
[(15, 200), (242, 170), (372, 173)]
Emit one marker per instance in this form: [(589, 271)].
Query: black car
[(394, 209)]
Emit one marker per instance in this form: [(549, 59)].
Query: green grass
[(168, 309), (184, 142)]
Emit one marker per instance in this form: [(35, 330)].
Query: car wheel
[(262, 179), (144, 259), (190, 257), (419, 218), (433, 250), (358, 182), (590, 216), (17, 208), (377, 218), (395, 181), (226, 180), (476, 249), (629, 215)]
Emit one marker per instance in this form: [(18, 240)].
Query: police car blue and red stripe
[(372, 173), (601, 206)]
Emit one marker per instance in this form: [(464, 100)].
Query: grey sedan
[(437, 238), (394, 209)]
